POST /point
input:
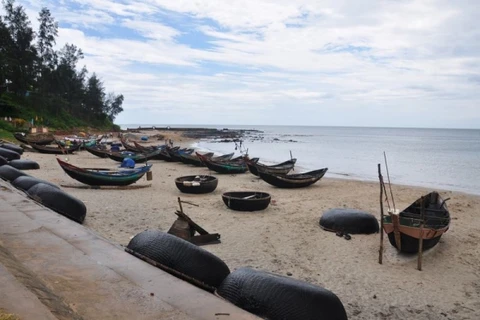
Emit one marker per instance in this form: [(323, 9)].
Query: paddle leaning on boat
[(104, 177)]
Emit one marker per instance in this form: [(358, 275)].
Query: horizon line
[(286, 125)]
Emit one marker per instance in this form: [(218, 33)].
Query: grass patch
[(7, 316), (6, 135)]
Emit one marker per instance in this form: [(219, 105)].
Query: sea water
[(440, 159)]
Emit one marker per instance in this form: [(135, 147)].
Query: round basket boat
[(196, 184), (246, 200)]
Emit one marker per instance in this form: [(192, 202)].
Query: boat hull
[(139, 158), (53, 150), (226, 168), (412, 224), (240, 201), (41, 142), (98, 179), (280, 169), (410, 244), (194, 159), (207, 186), (97, 152), (293, 181)]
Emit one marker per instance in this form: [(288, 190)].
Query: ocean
[(439, 159)]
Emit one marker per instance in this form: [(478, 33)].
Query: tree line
[(45, 79)]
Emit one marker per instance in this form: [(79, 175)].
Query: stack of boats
[(46, 143), (276, 175)]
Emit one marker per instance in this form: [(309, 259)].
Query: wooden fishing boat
[(299, 180), (193, 159), (129, 147), (236, 159), (175, 153), (97, 151), (141, 148), (81, 141), (56, 150), (280, 168), (104, 177), (404, 229), (147, 148), (224, 166), (224, 157), (138, 158), (246, 200), (41, 140), (196, 184), (164, 155)]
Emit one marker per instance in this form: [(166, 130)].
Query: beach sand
[(286, 237)]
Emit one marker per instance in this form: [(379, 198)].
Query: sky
[(390, 63)]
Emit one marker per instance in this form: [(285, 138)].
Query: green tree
[(21, 55), (113, 105), (29, 63), (66, 82), (47, 32), (94, 98), (6, 45)]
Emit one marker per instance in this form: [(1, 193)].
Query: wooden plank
[(190, 222), (210, 238), (396, 230), (181, 229)]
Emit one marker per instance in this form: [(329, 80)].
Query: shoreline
[(177, 134), (189, 142), (340, 176)]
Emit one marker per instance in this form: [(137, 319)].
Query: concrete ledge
[(18, 300), (96, 278)]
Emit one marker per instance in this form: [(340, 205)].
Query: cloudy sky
[(394, 63)]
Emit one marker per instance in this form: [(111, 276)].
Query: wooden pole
[(291, 158), (389, 183), (420, 241), (380, 251), (180, 204)]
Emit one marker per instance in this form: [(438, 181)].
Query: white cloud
[(152, 30), (341, 55)]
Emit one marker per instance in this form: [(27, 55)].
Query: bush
[(6, 126)]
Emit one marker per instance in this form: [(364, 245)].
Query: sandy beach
[(286, 237)]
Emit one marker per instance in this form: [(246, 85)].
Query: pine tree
[(47, 59), (21, 55), (56, 86)]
